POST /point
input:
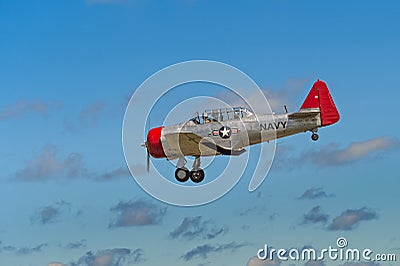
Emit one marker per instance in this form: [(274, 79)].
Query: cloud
[(137, 213), (273, 216), (287, 94), (55, 264), (315, 193), (119, 172), (90, 116), (195, 227), (75, 245), (254, 261), (254, 210), (26, 250), (277, 97), (137, 256), (315, 216), (51, 213), (111, 257), (30, 250), (204, 251), (332, 154), (350, 219), (48, 214), (24, 107), (47, 166), (360, 264), (314, 263)]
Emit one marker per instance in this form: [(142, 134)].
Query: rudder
[(320, 97)]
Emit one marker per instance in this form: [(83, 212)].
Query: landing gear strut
[(314, 135), (197, 174), (182, 174)]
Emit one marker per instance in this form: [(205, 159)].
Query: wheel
[(197, 176), (182, 174), (314, 137)]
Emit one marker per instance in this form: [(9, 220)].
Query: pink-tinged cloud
[(254, 261), (334, 155), (351, 218), (137, 213), (48, 166)]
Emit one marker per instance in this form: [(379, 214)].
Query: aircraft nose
[(154, 144)]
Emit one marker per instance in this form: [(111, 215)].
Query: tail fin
[(320, 98)]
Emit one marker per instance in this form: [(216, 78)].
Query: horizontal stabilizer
[(305, 113)]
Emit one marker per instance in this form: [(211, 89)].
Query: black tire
[(182, 174), (314, 137), (197, 176)]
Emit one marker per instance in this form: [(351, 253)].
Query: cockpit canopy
[(222, 114)]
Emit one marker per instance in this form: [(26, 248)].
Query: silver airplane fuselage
[(240, 133), (230, 131)]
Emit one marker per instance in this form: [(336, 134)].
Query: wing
[(189, 144)]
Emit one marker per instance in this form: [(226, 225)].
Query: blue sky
[(68, 68)]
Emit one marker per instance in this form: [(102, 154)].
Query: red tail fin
[(319, 97)]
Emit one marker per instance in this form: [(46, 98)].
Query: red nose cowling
[(154, 144)]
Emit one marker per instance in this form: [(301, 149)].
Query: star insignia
[(225, 132)]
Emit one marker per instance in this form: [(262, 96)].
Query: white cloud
[(358, 150), (333, 155)]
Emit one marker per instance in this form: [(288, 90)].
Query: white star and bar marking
[(224, 132)]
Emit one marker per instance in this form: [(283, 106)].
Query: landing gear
[(197, 176), (182, 174), (314, 135)]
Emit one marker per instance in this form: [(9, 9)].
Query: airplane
[(227, 131)]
